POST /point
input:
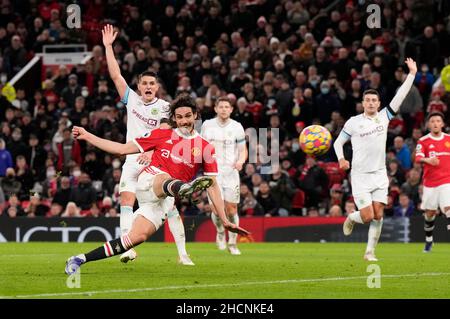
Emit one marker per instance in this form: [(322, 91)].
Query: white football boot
[(370, 256), (348, 226), (234, 250), (129, 255), (185, 260)]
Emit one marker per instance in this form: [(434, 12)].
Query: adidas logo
[(169, 142), (431, 146)]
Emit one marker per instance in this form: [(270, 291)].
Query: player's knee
[(127, 199)]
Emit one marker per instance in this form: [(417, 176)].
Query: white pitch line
[(291, 281), (27, 255)]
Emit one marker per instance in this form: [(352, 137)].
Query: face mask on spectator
[(325, 90), (116, 164), (76, 173), (244, 65), (313, 83), (295, 147), (84, 93)]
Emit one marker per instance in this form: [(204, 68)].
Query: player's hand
[(433, 161), (108, 35), (145, 158), (79, 133), (344, 164), (411, 65), (239, 166), (236, 229)]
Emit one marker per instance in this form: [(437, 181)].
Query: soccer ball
[(315, 140)]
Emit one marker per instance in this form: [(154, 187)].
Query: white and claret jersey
[(368, 137), (142, 118), (225, 139)]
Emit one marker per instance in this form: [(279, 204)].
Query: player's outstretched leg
[(177, 229), (142, 229), (429, 219), (109, 249), (221, 241)]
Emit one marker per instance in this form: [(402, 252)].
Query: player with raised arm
[(178, 155), (145, 112), (433, 151), (368, 135), (228, 138)]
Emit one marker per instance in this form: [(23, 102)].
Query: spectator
[(62, 195), (403, 154), (5, 158), (405, 207), (36, 156), (312, 212), (411, 186), (71, 210), (92, 166), (395, 171), (336, 196), (10, 184), (411, 142), (335, 211), (14, 57), (266, 200), (282, 189), (13, 207), (349, 207), (84, 195), (248, 205), (313, 180), (36, 207), (71, 91), (17, 146), (24, 176), (55, 210), (69, 149)]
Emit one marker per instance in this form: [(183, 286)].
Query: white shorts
[(230, 187), (130, 173), (370, 187), (154, 209), (436, 197)]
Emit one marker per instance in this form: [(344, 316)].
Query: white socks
[(177, 229), (218, 223), (374, 235), (356, 217), (126, 219), (232, 237)]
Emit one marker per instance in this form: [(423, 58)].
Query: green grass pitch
[(264, 270)]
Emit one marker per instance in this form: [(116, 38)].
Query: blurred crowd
[(285, 65)]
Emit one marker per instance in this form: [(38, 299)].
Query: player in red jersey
[(433, 150), (178, 155)]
